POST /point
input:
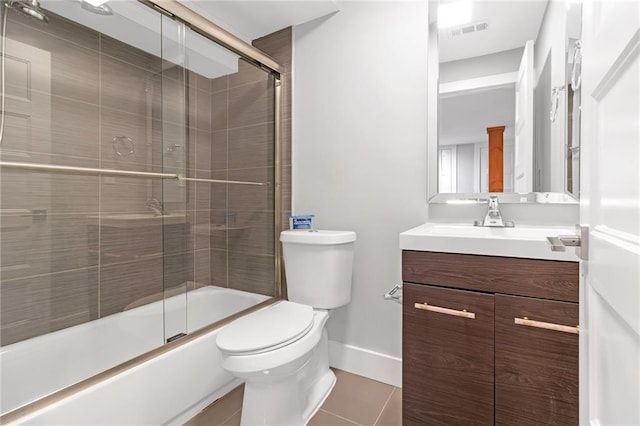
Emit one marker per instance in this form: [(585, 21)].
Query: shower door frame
[(215, 33)]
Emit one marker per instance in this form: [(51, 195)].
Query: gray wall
[(481, 66), (360, 151)]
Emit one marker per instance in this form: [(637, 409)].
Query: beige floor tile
[(221, 410), (322, 418), (392, 412), (357, 398)]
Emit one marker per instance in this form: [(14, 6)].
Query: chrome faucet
[(493, 218), (156, 206)]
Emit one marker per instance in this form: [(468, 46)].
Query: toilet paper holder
[(395, 294)]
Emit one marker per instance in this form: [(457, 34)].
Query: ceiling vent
[(469, 29)]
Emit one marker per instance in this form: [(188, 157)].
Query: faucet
[(493, 218), (156, 206)]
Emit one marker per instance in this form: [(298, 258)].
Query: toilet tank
[(318, 267)]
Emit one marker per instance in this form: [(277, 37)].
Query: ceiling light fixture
[(454, 13)]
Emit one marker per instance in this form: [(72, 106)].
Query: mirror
[(507, 114)]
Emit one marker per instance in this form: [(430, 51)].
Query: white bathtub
[(39, 366)]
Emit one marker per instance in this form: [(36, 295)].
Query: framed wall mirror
[(504, 108)]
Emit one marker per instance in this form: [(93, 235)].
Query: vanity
[(491, 312), (489, 337)]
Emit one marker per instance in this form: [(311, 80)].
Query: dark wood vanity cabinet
[(536, 369), (456, 354), (473, 352)]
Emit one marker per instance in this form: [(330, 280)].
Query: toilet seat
[(267, 329)]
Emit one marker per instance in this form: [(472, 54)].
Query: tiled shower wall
[(61, 261), (243, 126)]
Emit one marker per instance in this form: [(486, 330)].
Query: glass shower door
[(173, 158)]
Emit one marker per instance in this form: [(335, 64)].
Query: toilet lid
[(266, 329)]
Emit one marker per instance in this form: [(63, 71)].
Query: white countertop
[(521, 241)]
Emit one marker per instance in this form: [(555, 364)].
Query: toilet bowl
[(281, 351), (294, 376)]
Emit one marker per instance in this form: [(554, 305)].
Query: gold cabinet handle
[(546, 325), (426, 307)]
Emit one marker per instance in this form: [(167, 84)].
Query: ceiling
[(143, 28), (510, 25), (249, 20)]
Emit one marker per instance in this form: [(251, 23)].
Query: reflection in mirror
[(508, 117)]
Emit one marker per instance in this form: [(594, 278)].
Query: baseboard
[(363, 362)]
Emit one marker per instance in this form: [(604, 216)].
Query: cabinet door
[(447, 373), (536, 368)]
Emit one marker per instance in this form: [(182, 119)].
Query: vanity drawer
[(546, 279)]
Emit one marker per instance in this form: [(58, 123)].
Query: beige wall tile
[(249, 198), (219, 268), (253, 273), (256, 235), (124, 195), (219, 110), (247, 73), (278, 46), (118, 245), (44, 303), (123, 86), (75, 130), (123, 284), (251, 146), (116, 127), (251, 103), (285, 147), (219, 150), (219, 84)]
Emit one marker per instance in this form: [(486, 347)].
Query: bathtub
[(158, 391)]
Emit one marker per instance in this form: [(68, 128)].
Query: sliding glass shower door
[(137, 190)]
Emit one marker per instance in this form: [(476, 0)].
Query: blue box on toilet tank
[(302, 222)]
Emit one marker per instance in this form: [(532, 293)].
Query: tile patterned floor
[(355, 400)]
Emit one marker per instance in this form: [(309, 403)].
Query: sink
[(134, 220), (520, 241)]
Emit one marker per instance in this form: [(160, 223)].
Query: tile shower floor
[(355, 400)]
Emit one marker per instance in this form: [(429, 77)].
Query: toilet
[(281, 351)]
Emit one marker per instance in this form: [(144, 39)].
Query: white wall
[(359, 159), (481, 66)]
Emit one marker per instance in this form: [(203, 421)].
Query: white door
[(610, 205), (523, 169), (508, 168), (484, 169), (447, 169)]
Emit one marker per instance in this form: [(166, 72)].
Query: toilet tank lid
[(318, 237)]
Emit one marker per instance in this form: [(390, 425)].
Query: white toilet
[(282, 351)]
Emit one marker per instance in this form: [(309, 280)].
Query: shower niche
[(137, 189)]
